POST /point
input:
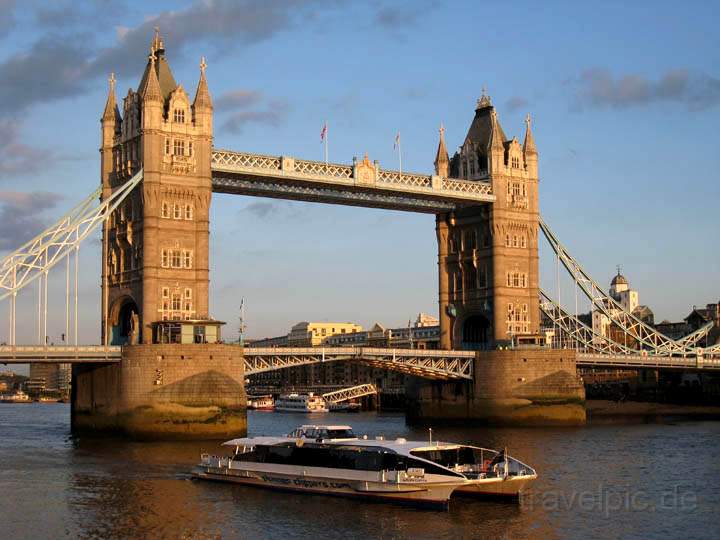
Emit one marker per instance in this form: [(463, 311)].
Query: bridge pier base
[(516, 387), (164, 392)]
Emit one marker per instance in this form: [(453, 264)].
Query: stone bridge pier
[(163, 392), (511, 387)]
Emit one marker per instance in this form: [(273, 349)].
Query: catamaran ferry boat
[(307, 403), (332, 460)]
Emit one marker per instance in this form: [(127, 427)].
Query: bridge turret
[(496, 145), (110, 125), (529, 150), (202, 104), (442, 162), (152, 99)]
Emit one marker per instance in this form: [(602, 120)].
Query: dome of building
[(619, 280)]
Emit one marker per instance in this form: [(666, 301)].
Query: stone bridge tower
[(155, 245), (488, 255)]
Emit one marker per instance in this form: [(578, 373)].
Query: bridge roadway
[(433, 364), (360, 184), (427, 363)]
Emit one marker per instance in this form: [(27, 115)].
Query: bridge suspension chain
[(37, 256), (578, 332), (647, 337), (61, 241)]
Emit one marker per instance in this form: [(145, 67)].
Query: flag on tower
[(397, 141), (323, 132)]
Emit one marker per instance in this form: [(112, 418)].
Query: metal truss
[(36, 257), (223, 183), (350, 393), (288, 177), (431, 364), (648, 338)]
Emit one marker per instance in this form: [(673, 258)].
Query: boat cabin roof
[(400, 446)]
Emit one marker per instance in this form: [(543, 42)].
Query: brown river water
[(645, 481)]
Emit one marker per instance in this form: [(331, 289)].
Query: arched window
[(188, 211), (165, 209)]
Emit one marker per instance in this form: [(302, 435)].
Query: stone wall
[(164, 392), (522, 386)]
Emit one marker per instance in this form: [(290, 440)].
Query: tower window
[(187, 258), (515, 162), (165, 209), (190, 148), (177, 212), (166, 292), (179, 147), (179, 116), (165, 258), (167, 145), (176, 261), (188, 211), (188, 293), (176, 302)]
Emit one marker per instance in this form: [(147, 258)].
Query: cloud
[(65, 60), (7, 16), (237, 99), (516, 103), (598, 88), (274, 115), (16, 158), (226, 24), (20, 214), (53, 68), (262, 209), (398, 17)]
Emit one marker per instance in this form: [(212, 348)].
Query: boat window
[(357, 458), (450, 457), (341, 434)]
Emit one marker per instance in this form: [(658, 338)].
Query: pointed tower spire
[(111, 111), (496, 138), (529, 142), (202, 95), (151, 90), (442, 160)]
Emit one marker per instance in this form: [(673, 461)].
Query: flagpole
[(326, 144), (400, 157)]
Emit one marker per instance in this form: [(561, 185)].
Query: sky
[(624, 98)]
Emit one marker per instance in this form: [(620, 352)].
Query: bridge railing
[(59, 353)]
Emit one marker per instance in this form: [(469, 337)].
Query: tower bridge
[(159, 346)]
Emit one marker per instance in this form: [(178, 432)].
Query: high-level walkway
[(360, 184)]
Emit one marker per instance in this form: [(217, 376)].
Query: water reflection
[(631, 481)]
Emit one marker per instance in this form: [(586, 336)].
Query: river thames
[(649, 481)]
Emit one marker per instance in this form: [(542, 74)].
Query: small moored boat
[(308, 403), (261, 403)]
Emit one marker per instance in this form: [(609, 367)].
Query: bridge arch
[(124, 321), (476, 332)]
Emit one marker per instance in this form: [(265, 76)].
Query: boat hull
[(510, 487), (432, 495)]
